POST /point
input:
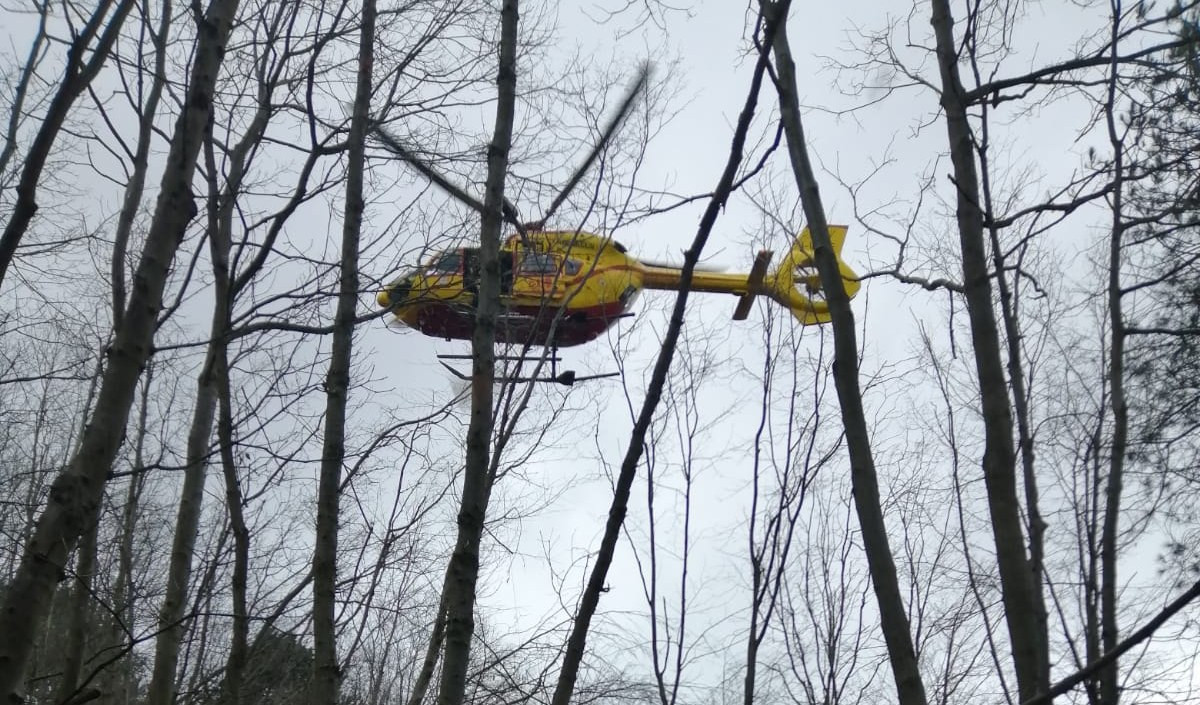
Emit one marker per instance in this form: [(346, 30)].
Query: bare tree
[(81, 68), (20, 94), (589, 601), (893, 615), (463, 569), (75, 495), (1019, 586), (326, 673)]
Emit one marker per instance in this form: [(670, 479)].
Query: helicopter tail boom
[(795, 283)]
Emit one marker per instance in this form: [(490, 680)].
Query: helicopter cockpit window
[(538, 263), (446, 263), (573, 266)]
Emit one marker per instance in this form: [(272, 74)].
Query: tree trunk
[(326, 674), (1016, 376), (135, 187), (893, 617), (429, 663), (1028, 638), (76, 493), (221, 206), (78, 627), (590, 600), (1110, 533), (463, 570), (171, 623), (171, 616), (117, 685), (20, 92), (239, 642)]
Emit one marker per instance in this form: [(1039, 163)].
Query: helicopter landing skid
[(566, 378)]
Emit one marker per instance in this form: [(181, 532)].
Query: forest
[(228, 476)]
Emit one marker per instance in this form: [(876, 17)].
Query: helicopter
[(562, 288)]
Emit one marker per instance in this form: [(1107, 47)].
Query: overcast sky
[(704, 50)]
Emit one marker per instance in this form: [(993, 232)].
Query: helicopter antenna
[(664, 264), (631, 95)]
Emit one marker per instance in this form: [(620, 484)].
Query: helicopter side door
[(471, 271), (538, 275)]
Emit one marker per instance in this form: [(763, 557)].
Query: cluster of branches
[(131, 573)]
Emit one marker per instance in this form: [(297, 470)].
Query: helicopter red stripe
[(523, 324)]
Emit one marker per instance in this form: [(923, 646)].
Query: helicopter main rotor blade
[(393, 145), (635, 90)]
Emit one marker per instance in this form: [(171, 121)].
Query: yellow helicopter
[(561, 288)]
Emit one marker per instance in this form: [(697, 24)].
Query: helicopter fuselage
[(556, 289), (562, 288)]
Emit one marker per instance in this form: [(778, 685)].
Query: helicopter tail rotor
[(796, 283)]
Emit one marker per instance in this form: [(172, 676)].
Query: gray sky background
[(897, 143), (894, 147)]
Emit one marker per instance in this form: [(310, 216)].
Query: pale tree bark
[(81, 69), (590, 600), (1017, 582), (893, 616), (463, 570), (326, 676), (76, 493)]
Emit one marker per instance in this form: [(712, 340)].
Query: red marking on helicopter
[(521, 325)]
